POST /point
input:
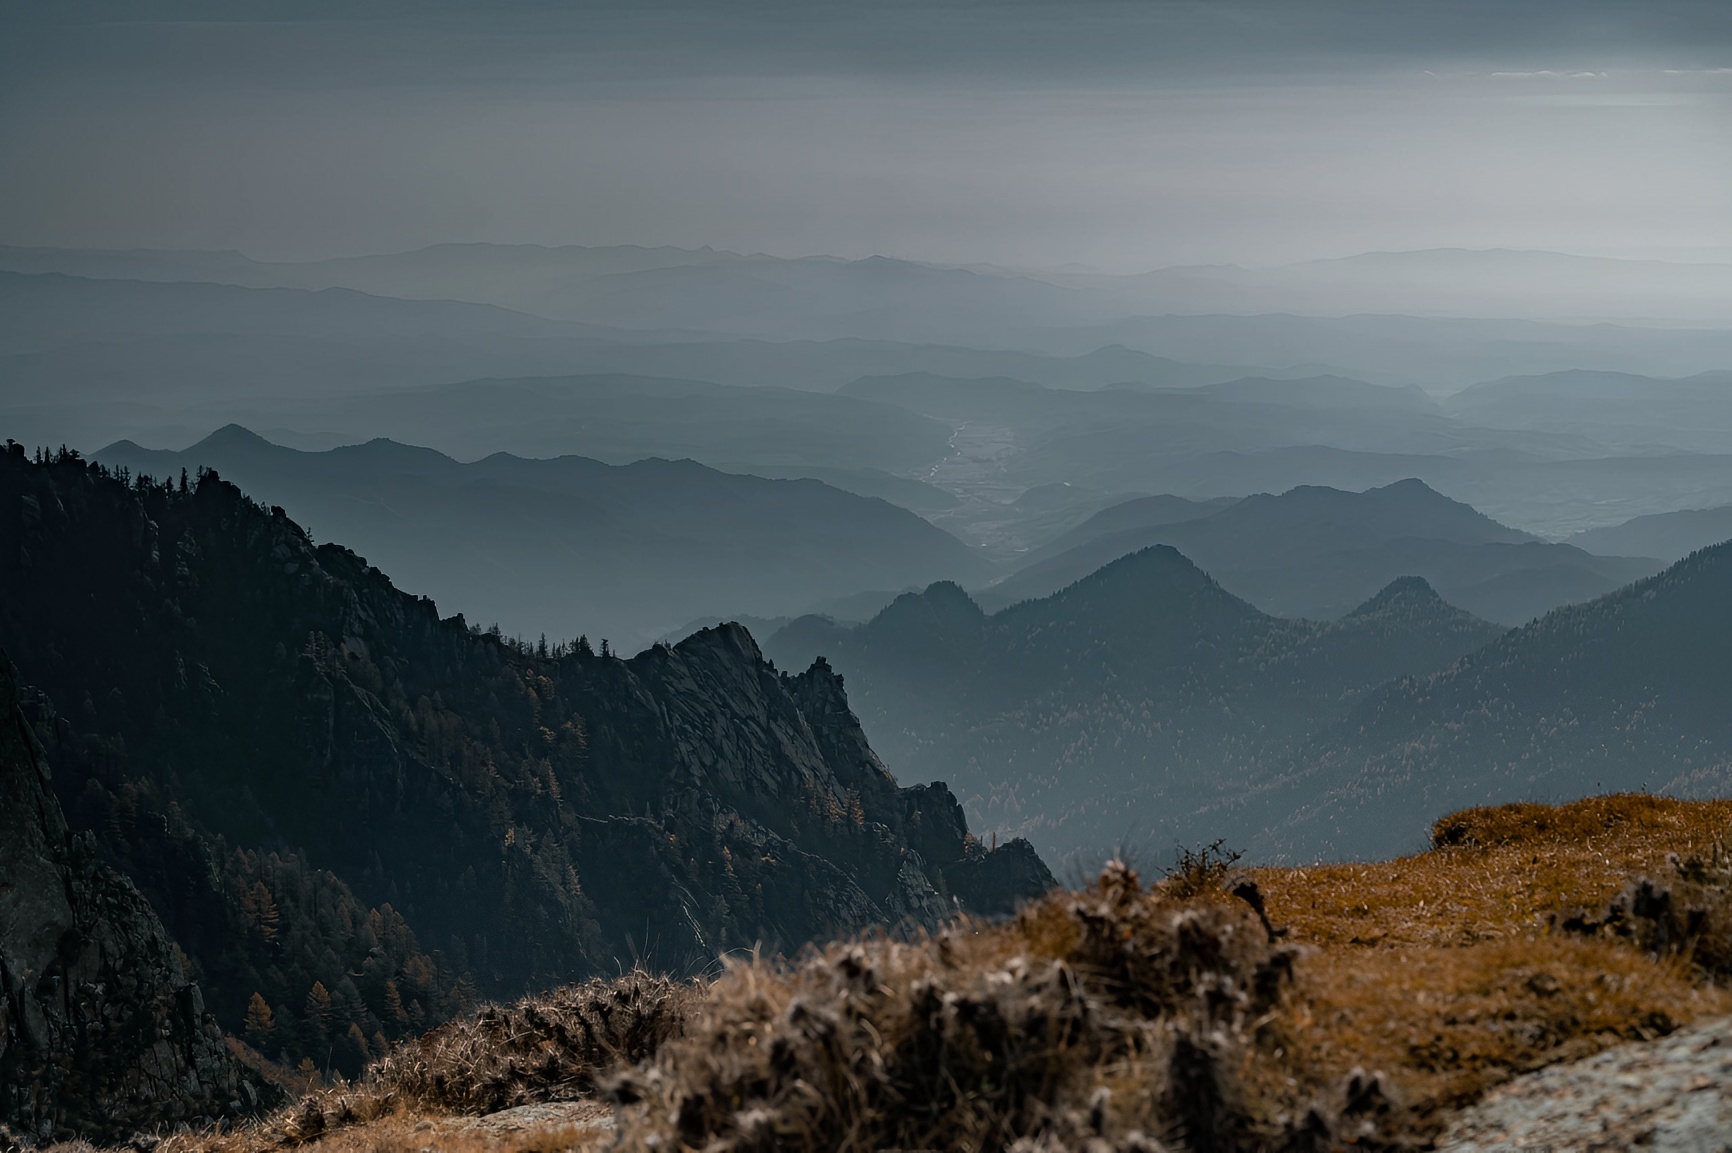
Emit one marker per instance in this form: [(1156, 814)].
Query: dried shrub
[(550, 1047), (1198, 872), (1113, 1016)]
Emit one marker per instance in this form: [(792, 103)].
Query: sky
[(1023, 133)]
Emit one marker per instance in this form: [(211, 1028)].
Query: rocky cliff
[(357, 816), (101, 1031)]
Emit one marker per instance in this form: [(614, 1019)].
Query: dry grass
[(1496, 872), (1122, 1018), (552, 1047)]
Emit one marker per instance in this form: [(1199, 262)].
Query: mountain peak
[(1411, 592), (1159, 570), (233, 436), (940, 607), (729, 637)]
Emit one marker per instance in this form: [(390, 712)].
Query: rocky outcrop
[(101, 1031), (1670, 1096)]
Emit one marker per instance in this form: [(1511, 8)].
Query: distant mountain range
[(626, 552), (1669, 535), (1440, 319), (620, 419), (1622, 410), (1256, 434), (356, 817), (1628, 692), (1318, 552), (1123, 705), (1145, 704), (475, 349), (1454, 282), (674, 287)]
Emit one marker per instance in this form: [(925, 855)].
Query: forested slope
[(366, 814)]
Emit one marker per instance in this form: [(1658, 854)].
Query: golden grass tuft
[(1218, 1009)]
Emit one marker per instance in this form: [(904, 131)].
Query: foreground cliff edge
[(1344, 1006)]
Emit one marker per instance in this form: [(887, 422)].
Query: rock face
[(101, 1032), (356, 816)]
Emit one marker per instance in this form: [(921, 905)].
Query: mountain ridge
[(1315, 551), (626, 551), (268, 735), (1622, 693), (1142, 693)]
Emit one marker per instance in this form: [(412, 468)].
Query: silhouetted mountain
[(699, 289), (1128, 516), (47, 310), (542, 282), (1316, 552), (1202, 443), (1628, 692), (665, 283), (1316, 392), (1670, 536), (89, 360), (914, 495), (1618, 409), (366, 815), (626, 551), (1126, 703), (1019, 401), (1380, 345), (620, 419), (1449, 282)]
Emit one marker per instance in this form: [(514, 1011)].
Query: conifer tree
[(261, 1023), (319, 1006), (260, 910)]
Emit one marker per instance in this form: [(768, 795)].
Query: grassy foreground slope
[(1350, 1005)]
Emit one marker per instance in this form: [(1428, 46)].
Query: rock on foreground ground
[(1667, 1096)]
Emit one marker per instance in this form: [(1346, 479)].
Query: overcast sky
[(1035, 133)]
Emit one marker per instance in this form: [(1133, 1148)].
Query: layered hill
[(1627, 692), (622, 551), (1123, 705), (1141, 512), (1316, 552), (1671, 536), (355, 816), (620, 418), (1624, 410)]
